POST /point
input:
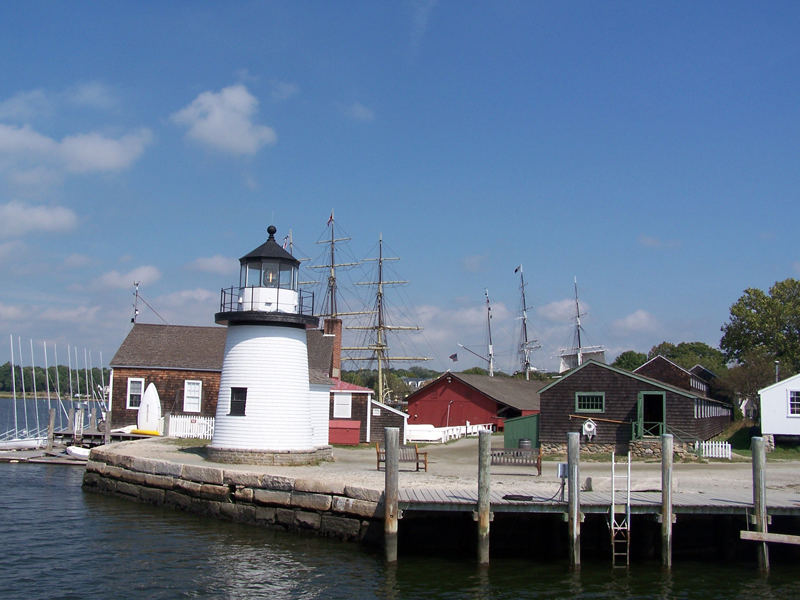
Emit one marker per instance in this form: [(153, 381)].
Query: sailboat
[(576, 355)]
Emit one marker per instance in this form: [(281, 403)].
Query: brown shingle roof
[(201, 349), (172, 347)]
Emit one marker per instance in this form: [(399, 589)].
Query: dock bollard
[(391, 492), (573, 497), (484, 516)]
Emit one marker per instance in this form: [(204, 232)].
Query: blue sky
[(649, 149)]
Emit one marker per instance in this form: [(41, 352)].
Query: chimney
[(333, 327)]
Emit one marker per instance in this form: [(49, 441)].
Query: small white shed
[(780, 407)]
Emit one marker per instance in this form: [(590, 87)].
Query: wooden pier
[(756, 505)]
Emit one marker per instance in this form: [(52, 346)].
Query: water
[(33, 415), (61, 543)]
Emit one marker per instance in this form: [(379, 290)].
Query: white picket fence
[(429, 433), (714, 449), (187, 426)]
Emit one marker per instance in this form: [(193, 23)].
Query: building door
[(650, 413)]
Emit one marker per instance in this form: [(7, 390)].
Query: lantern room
[(268, 283)]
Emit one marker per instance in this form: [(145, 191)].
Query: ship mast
[(526, 346), (578, 324), (379, 347), (330, 305)]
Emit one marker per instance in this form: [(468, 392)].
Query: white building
[(780, 408)]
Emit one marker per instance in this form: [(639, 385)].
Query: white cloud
[(224, 120), (359, 112), (639, 321), (78, 153), (92, 94), (560, 311), (146, 275), (419, 21), (18, 219), (449, 324), (474, 264), (184, 298), (221, 265), (24, 106), (10, 249), (94, 152), (283, 90), (10, 313), (35, 177), (74, 261), (84, 314)]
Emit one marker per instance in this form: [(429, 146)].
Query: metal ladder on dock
[(619, 518)]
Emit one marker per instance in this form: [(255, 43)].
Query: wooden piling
[(107, 427), (93, 419), (391, 492), (760, 498), (71, 420), (51, 429), (666, 500), (484, 477), (573, 497), (78, 431)]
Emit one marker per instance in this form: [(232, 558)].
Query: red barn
[(455, 398)]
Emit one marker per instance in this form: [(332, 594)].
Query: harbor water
[(62, 543)]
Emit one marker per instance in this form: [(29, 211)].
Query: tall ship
[(577, 354), (371, 349)]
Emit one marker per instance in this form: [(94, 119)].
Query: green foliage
[(689, 354), (630, 360), (57, 375), (756, 370), (368, 378), (475, 371), (769, 323)]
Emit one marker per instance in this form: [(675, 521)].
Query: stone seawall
[(329, 509)]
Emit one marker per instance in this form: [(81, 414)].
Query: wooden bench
[(407, 454), (527, 457)]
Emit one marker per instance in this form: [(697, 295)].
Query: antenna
[(135, 301), (489, 324)]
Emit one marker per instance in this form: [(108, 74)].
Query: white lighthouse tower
[(265, 409)]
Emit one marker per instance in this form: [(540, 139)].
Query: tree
[(689, 354), (755, 370), (630, 360), (766, 322)]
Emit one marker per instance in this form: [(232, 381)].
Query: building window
[(135, 391), (342, 406), (590, 402), (794, 403), (238, 400), (192, 394)]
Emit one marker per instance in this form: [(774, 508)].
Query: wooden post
[(484, 476), (760, 498), (573, 497), (51, 429), (71, 420), (391, 491), (93, 419), (107, 427), (666, 500), (78, 430)]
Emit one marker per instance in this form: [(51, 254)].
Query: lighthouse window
[(238, 400), (270, 274), (135, 389), (253, 274), (287, 277)]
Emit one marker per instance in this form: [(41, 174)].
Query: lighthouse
[(267, 411)]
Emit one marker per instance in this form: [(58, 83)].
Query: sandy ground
[(455, 465)]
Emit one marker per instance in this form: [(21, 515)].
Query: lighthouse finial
[(271, 231)]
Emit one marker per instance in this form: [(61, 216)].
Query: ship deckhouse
[(266, 410)]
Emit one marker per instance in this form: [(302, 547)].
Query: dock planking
[(779, 502)]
